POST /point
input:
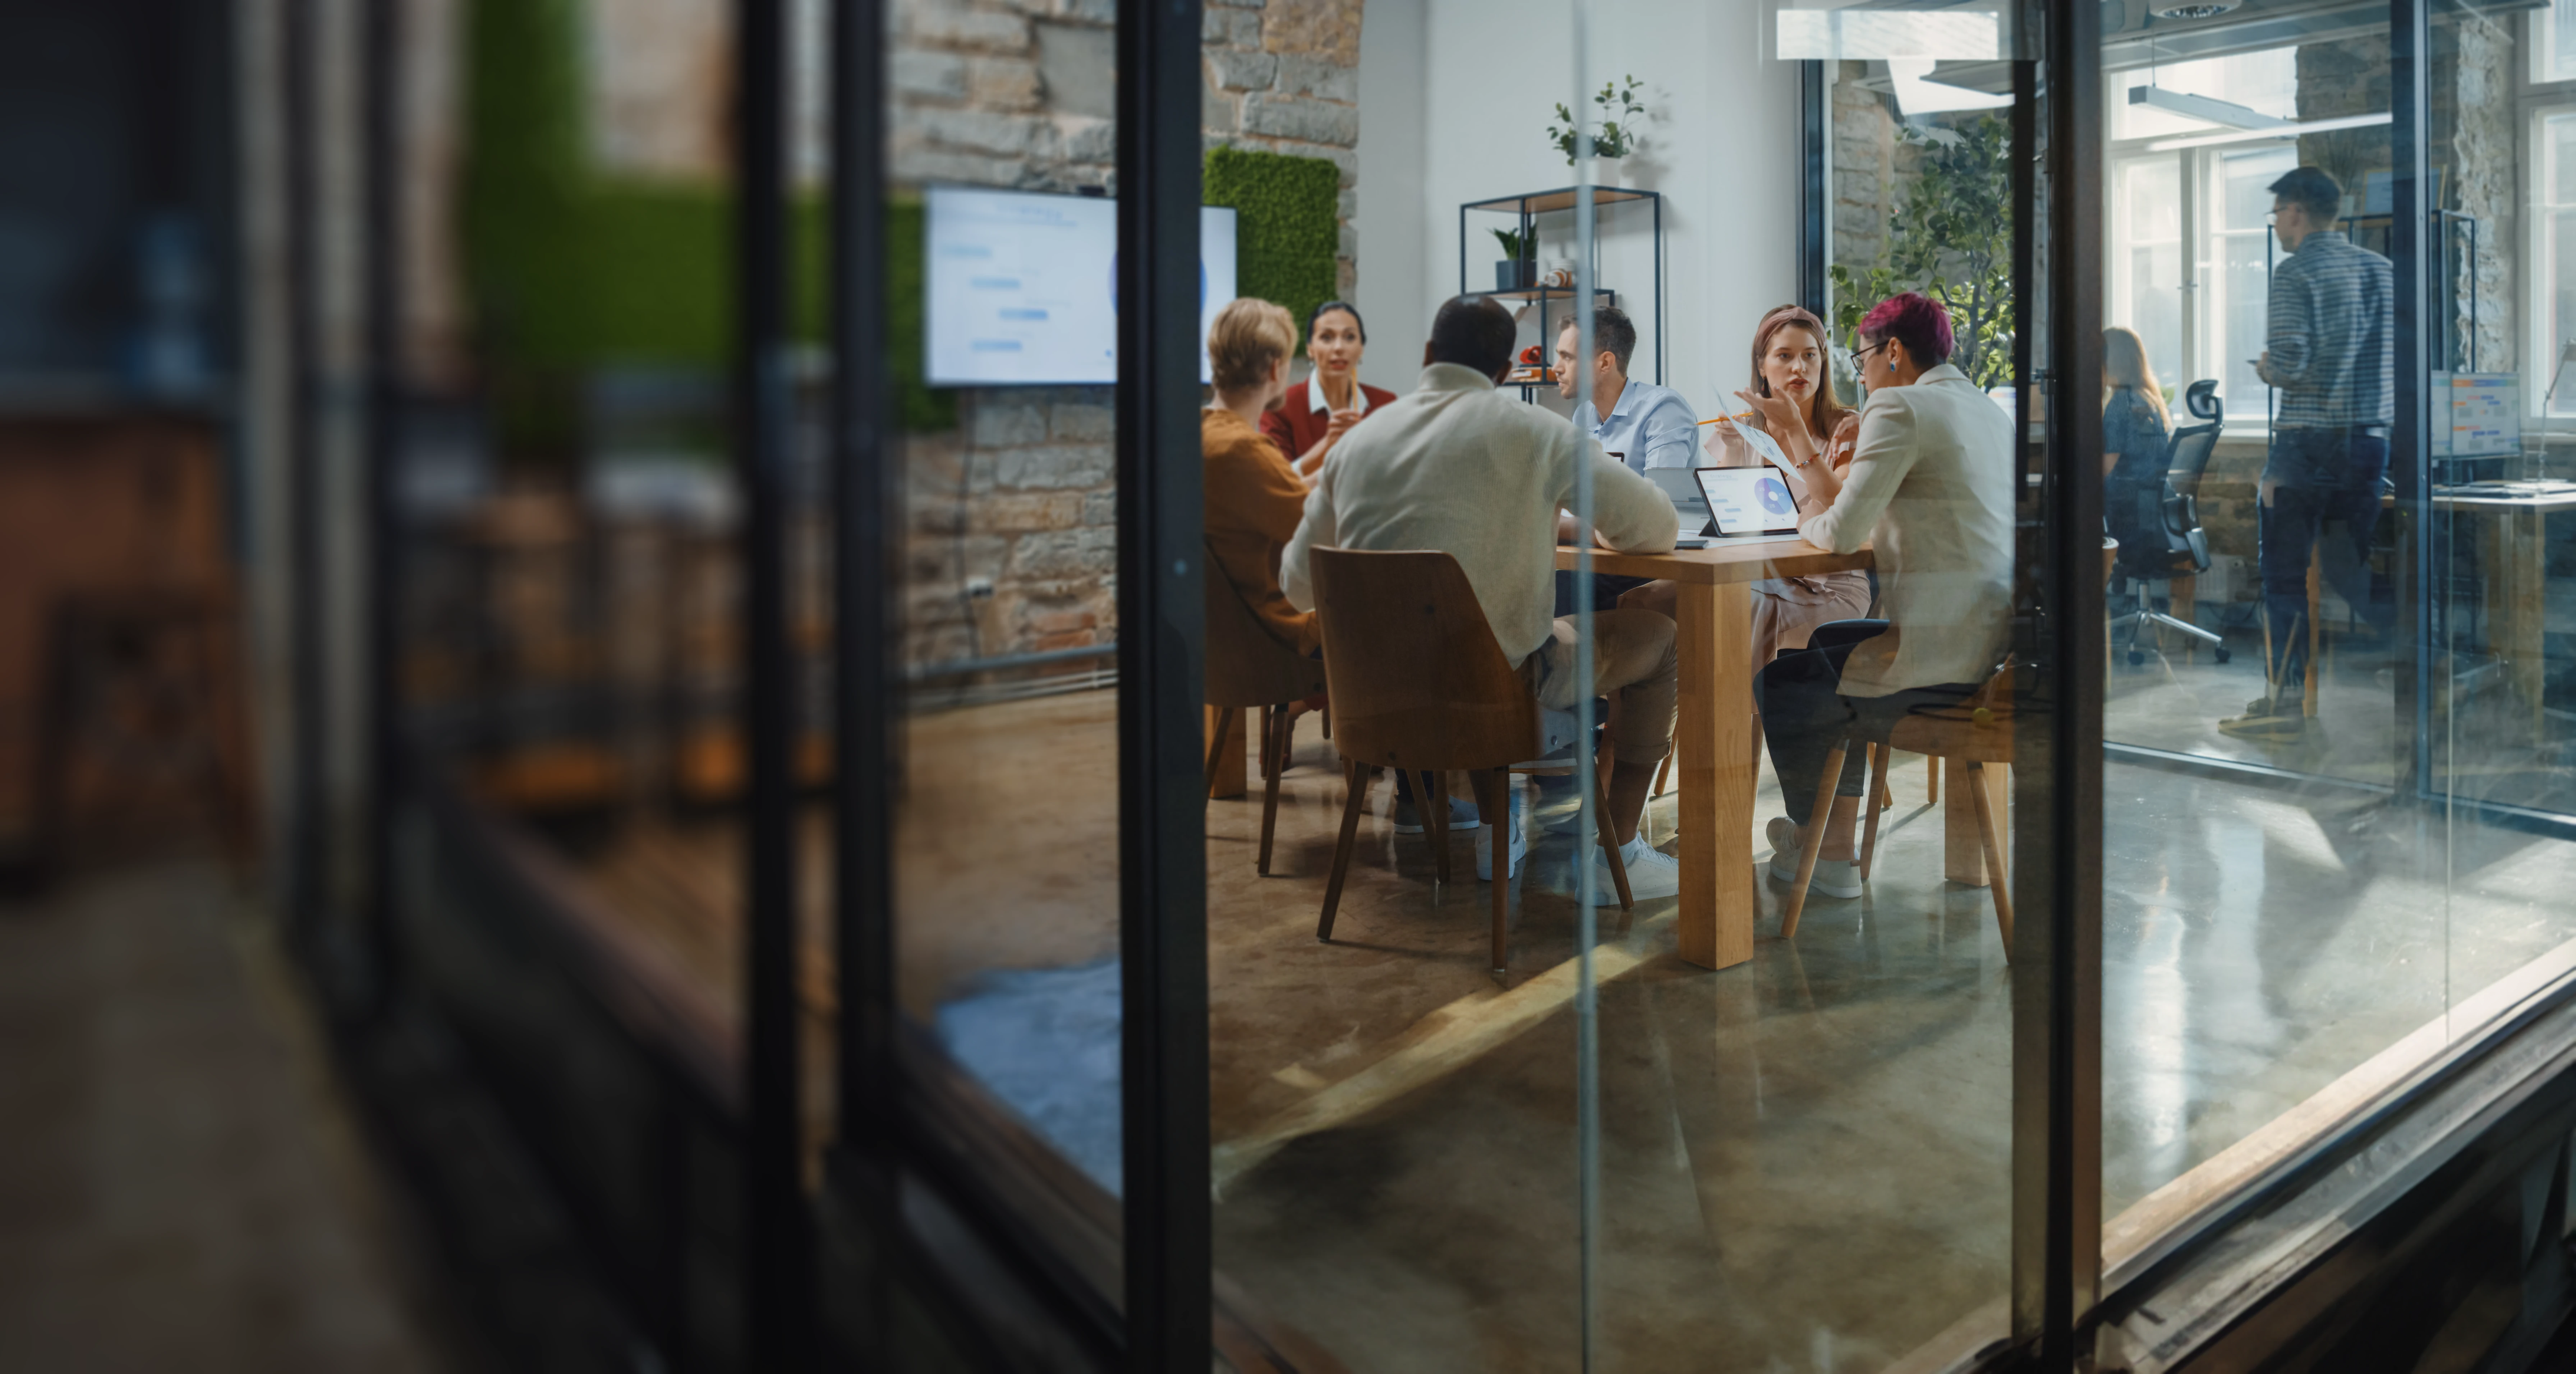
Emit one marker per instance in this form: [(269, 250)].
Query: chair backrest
[(1417, 678), (2187, 455), (1246, 664)]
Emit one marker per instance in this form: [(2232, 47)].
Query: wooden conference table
[(1713, 740)]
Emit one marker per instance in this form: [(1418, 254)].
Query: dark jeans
[(1606, 591), (2325, 504), (1805, 714)]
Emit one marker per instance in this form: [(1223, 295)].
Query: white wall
[(1389, 216), (1721, 143)]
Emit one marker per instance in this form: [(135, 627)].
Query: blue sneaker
[(1462, 817)]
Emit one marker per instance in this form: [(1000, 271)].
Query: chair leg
[(1607, 831), (1216, 750), (1932, 782), (1493, 799), (1287, 739), (1982, 794), (1431, 793), (1274, 723), (1811, 841), (1663, 771), (1880, 797), (1357, 774), (1879, 755)]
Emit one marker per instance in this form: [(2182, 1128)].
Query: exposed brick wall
[(1020, 93), (1865, 186), (2484, 184)]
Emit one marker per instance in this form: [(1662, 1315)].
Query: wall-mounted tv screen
[(1022, 287)]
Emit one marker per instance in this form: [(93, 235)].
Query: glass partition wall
[(2253, 802)]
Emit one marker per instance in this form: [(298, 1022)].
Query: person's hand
[(1341, 421), (1718, 445), (1778, 415), (2263, 368)]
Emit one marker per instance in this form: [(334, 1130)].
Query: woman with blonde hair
[(1254, 499), (2136, 438)]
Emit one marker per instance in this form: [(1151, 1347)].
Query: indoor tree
[(1951, 239)]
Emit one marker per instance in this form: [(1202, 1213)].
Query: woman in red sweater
[(1316, 412)]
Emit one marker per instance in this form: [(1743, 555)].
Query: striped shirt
[(2329, 335)]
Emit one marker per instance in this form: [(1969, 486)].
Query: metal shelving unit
[(1527, 209)]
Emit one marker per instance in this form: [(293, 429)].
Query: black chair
[(2159, 531)]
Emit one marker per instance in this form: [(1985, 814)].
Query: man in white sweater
[(1457, 466)]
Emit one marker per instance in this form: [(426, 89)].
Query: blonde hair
[(1248, 337), (2124, 366)]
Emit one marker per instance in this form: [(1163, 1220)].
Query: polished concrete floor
[(1803, 1160), (180, 1185)]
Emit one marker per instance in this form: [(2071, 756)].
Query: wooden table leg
[(2308, 688), (1963, 857), (1230, 771), (2516, 589), (1714, 742)]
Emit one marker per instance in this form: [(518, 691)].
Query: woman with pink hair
[(1929, 492)]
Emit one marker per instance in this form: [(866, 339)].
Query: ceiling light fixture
[(2314, 126)]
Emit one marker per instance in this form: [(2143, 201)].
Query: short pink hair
[(1914, 320)]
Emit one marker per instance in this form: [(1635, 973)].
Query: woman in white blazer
[(1929, 492)]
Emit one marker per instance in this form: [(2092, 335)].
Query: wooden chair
[(1248, 666), (1977, 732), (1418, 682), (144, 684)]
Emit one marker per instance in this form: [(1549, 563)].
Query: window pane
[(999, 236)]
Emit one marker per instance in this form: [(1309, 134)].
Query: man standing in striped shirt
[(2328, 351)]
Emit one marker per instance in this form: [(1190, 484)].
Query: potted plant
[(1616, 129), (1512, 273)]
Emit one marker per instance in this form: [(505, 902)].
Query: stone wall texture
[(1012, 518)]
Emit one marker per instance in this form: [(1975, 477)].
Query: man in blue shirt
[(1648, 426)]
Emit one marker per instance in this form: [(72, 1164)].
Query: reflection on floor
[(1804, 1158)]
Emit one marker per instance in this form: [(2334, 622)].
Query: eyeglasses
[(1858, 357)]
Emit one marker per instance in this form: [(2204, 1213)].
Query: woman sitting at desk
[(1253, 499), (2136, 430), (1929, 491), (1792, 400), (1316, 414)]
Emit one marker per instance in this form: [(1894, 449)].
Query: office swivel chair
[(2160, 535)]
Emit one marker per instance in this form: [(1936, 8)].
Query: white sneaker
[(1517, 825), (1833, 877), (1782, 832), (1570, 823), (1462, 816), (1651, 873)]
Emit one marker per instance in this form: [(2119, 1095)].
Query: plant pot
[(1606, 171), (1511, 275)]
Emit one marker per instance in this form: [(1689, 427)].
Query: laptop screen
[(1748, 500)]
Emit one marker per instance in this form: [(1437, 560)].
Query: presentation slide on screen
[(1022, 287)]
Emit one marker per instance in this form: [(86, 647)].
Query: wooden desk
[(2513, 554), (1713, 740)]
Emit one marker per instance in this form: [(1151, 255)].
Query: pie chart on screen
[(1775, 495)]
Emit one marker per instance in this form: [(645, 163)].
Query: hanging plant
[(1616, 126)]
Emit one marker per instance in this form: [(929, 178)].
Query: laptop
[(1748, 505), (1688, 502)]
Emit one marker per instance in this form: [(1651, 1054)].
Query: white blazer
[(1930, 493)]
